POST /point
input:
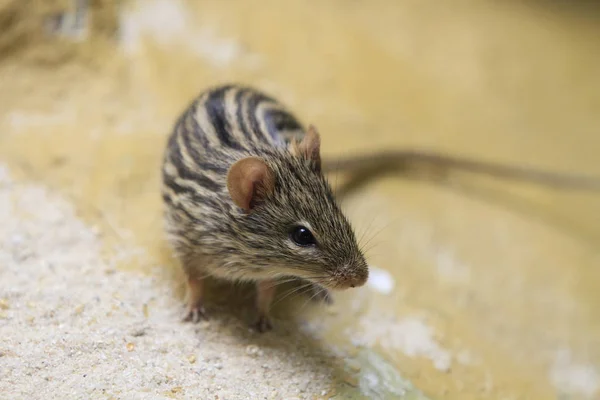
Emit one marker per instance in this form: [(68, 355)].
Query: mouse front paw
[(195, 314), (263, 324)]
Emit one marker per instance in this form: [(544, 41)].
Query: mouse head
[(291, 224)]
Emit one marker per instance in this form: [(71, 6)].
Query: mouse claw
[(195, 314), (263, 324)]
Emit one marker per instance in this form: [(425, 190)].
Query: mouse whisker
[(297, 290), (367, 249), (365, 231), (318, 292), (284, 281), (363, 244)]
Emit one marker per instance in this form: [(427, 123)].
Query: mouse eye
[(302, 236)]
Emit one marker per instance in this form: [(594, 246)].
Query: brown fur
[(240, 174)]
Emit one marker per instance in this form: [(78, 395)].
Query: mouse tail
[(394, 160)]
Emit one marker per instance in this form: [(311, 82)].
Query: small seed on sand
[(4, 304), (353, 365), (351, 380), (203, 324), (252, 350)]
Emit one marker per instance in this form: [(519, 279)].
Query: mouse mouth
[(342, 278), (347, 278)]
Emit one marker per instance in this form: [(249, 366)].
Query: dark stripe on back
[(189, 146), (215, 109), (279, 120), (240, 113), (253, 102), (172, 143), (193, 196), (185, 173), (191, 127), (205, 165), (191, 217)]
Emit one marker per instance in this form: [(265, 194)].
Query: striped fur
[(211, 235)]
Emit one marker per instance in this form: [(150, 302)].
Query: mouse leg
[(195, 304), (265, 290)]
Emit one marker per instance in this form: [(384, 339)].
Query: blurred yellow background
[(496, 285)]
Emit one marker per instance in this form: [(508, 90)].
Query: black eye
[(302, 236)]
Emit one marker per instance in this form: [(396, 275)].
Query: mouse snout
[(350, 276)]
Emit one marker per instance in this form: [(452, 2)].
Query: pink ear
[(249, 180), (310, 146)]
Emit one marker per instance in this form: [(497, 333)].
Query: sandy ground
[(72, 326)]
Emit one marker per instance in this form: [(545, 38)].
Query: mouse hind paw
[(195, 314), (263, 324), (195, 307)]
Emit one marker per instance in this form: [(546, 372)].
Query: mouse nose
[(359, 278), (351, 276)]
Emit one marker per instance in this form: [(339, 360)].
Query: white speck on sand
[(379, 380), (28, 120), (466, 357), (73, 326), (450, 268), (411, 336), (167, 23), (380, 280), (574, 379), (164, 20)]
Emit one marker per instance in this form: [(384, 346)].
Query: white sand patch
[(410, 335), (23, 120), (167, 23), (572, 378), (74, 327), (450, 268), (380, 280), (378, 380)]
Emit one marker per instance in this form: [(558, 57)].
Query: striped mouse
[(246, 198)]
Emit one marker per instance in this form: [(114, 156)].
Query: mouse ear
[(249, 181), (310, 146)]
